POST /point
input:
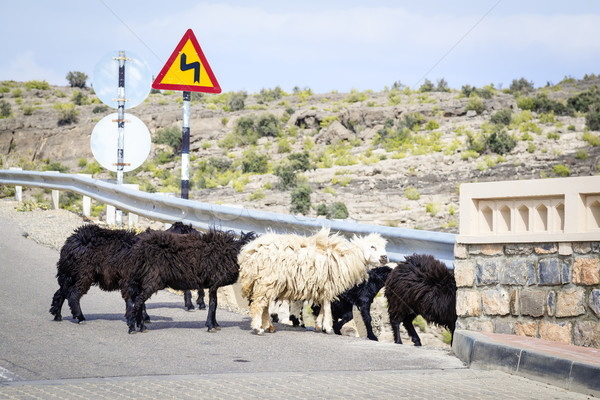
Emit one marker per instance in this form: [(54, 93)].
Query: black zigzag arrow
[(195, 66)]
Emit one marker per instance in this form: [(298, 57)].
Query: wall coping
[(530, 211)]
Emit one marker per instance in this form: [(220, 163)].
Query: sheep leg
[(327, 318), (346, 317), (296, 313), (365, 312), (266, 321), (57, 303), (407, 322), (396, 329), (74, 305), (211, 319), (257, 308), (200, 300), (187, 299)]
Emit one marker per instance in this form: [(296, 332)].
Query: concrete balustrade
[(527, 259)]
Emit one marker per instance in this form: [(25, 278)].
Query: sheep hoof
[(271, 329), (259, 332), (191, 309), (132, 331), (144, 330), (58, 318), (213, 330), (329, 331)]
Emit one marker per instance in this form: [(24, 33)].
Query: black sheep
[(362, 296), (422, 285), (93, 255), (182, 262)]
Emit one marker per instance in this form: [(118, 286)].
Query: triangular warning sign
[(187, 69)]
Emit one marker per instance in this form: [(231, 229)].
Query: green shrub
[(526, 103), (28, 110), (163, 157), (548, 118), (254, 163), (502, 117), (17, 93), (592, 117), (82, 162), (432, 125), (256, 195), (337, 210), (412, 193), (100, 109), (476, 142), (171, 136), (582, 155), (521, 86), (287, 176), (40, 85), (93, 168), (476, 104), (300, 198), (432, 208), (267, 95), (427, 86), (5, 109), (236, 101), (322, 209), (543, 104), (591, 139), (80, 98), (267, 125), (67, 114), (55, 166), (582, 101), (561, 170), (77, 79), (501, 142), (300, 161), (553, 135)]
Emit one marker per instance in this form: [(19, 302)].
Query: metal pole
[(185, 147), (121, 130)]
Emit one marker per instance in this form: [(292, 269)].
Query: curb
[(480, 351)]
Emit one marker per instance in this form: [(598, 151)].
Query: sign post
[(187, 70), (121, 127), (108, 145)]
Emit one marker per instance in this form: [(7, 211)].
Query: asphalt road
[(40, 357)]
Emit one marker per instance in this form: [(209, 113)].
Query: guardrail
[(401, 242)]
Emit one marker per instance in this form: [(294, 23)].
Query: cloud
[(24, 67)]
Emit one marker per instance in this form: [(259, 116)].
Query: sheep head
[(373, 247)]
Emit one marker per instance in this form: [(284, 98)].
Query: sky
[(323, 45)]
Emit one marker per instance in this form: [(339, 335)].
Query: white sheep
[(317, 269)]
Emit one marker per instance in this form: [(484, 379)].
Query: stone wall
[(544, 290)]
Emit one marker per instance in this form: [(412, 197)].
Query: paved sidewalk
[(425, 384), (571, 367)]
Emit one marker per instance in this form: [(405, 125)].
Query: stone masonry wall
[(549, 291)]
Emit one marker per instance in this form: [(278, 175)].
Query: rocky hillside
[(395, 157)]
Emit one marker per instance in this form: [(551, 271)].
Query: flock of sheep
[(328, 271)]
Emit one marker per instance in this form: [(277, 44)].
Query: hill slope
[(395, 157)]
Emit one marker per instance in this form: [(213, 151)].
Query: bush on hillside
[(77, 79)]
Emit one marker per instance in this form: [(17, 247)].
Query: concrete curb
[(486, 352)]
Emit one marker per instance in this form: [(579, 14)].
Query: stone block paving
[(447, 384)]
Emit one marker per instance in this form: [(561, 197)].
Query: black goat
[(422, 285), (93, 255), (362, 296), (182, 262)]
